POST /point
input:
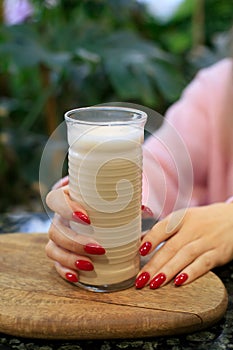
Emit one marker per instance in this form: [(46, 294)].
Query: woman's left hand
[(195, 241)]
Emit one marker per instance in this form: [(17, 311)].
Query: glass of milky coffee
[(105, 178)]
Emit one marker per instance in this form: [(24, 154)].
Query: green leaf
[(128, 61), (184, 11), (169, 81), (128, 46), (178, 42), (22, 45)]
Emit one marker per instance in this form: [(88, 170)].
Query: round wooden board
[(35, 302)]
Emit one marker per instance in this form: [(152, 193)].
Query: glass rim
[(142, 116)]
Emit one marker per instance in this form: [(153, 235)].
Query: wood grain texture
[(35, 302)]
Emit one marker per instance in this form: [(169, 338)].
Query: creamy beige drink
[(105, 161)]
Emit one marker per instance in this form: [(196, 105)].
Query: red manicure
[(95, 249), (180, 279), (145, 248), (84, 265), (71, 277), (147, 210), (142, 280), (157, 281), (81, 217)]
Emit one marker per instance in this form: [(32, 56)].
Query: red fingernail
[(95, 249), (180, 279), (84, 265), (145, 248), (71, 277), (157, 281), (147, 210), (142, 280), (81, 217)]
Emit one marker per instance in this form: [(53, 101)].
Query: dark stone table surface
[(217, 337)]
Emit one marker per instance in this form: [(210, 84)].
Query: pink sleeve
[(175, 157), (229, 200)]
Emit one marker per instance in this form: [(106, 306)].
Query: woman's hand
[(195, 241), (67, 248)]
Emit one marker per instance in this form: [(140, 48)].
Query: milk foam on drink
[(105, 177)]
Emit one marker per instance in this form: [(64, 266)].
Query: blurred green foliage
[(81, 53)]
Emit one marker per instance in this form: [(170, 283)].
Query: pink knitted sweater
[(189, 160)]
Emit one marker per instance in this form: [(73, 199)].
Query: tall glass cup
[(105, 177)]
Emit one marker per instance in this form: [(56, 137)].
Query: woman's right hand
[(70, 251)]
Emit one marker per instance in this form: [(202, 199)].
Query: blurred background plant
[(61, 54)]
